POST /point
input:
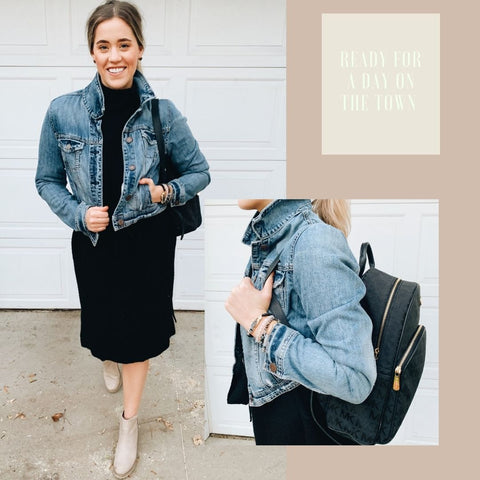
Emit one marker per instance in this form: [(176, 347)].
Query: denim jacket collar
[(273, 218), (95, 102)]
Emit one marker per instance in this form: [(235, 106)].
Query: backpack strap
[(365, 251), (157, 126)]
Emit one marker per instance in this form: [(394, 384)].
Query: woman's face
[(253, 204), (116, 53)]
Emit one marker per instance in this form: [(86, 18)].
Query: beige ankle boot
[(112, 376), (126, 451)]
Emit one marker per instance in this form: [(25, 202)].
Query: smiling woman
[(102, 140), (116, 52)]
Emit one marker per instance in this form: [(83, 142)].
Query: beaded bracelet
[(261, 331), (254, 324)]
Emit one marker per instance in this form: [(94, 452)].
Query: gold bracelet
[(254, 325), (261, 329)]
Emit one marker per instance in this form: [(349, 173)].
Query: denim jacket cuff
[(80, 224), (278, 342), (178, 197)]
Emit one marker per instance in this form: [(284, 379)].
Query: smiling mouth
[(116, 70)]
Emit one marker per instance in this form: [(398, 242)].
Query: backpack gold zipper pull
[(396, 379)]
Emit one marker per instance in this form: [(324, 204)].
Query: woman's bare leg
[(134, 377)]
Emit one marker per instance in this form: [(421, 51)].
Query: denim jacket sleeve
[(188, 160), (51, 180), (338, 357)]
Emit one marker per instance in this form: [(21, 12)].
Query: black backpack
[(399, 343)]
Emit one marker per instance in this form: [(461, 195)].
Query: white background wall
[(404, 238), (222, 62)]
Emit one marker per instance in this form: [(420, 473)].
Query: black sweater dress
[(125, 282)]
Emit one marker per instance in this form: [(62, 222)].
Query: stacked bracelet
[(261, 331), (167, 193), (253, 325), (261, 327)]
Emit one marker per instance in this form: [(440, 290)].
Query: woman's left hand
[(245, 302), (156, 191)]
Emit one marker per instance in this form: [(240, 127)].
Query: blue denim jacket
[(71, 148), (327, 346)]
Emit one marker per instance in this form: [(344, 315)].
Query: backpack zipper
[(384, 319), (398, 368)]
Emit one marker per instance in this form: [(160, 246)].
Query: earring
[(94, 61), (141, 58)]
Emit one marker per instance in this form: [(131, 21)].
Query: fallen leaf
[(5, 388), (197, 440), (32, 378), (167, 424), (57, 417), (19, 415)]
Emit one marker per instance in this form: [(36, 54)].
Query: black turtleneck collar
[(120, 99)]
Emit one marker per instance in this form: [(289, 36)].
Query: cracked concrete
[(44, 372)]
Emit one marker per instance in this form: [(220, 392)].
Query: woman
[(101, 139), (326, 345)]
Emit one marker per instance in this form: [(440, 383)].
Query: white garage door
[(404, 236), (221, 62)]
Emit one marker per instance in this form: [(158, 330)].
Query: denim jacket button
[(273, 368), (129, 139), (132, 167), (128, 197), (120, 222)]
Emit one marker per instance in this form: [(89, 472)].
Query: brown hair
[(115, 8), (335, 212)]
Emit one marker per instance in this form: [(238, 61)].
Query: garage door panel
[(42, 266), (28, 33), (221, 341), (158, 29), (233, 116), (428, 250), (246, 176), (218, 27), (26, 207), (188, 293), (39, 32), (28, 97), (418, 428), (429, 318), (228, 419)]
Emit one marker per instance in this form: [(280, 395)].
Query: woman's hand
[(245, 302), (156, 191), (97, 219)]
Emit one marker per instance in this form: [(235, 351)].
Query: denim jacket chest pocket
[(72, 150)]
